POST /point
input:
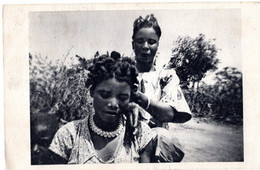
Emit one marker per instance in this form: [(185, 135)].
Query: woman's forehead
[(146, 32), (112, 83)]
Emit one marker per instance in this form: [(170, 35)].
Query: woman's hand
[(162, 112), (141, 99), (133, 110)]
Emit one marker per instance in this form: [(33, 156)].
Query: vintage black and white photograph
[(136, 86)]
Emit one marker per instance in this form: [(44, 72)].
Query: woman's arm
[(161, 111), (154, 107)]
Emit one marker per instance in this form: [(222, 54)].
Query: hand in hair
[(132, 115), (141, 99)]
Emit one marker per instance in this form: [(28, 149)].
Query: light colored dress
[(163, 85), (73, 142)]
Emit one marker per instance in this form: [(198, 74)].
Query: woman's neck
[(144, 67), (104, 125)]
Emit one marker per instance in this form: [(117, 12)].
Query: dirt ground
[(209, 142)]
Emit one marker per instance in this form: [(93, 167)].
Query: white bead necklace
[(102, 133)]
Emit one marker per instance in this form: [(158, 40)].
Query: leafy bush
[(221, 101), (58, 89)]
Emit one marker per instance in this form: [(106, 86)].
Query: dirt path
[(209, 142)]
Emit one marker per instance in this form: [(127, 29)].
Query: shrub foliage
[(192, 58), (56, 88), (59, 89)]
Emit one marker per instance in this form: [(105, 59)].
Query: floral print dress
[(162, 85), (73, 142)]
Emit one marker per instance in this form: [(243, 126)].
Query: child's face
[(44, 129)]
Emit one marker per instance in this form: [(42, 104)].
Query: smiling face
[(109, 98), (145, 45)]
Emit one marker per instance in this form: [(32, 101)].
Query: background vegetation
[(193, 58), (59, 89), (56, 88)]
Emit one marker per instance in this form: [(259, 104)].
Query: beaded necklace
[(105, 134)]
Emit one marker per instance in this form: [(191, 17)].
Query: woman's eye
[(151, 41), (104, 94), (123, 97), (139, 41)]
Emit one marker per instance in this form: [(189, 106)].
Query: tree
[(192, 58), (220, 101), (229, 85)]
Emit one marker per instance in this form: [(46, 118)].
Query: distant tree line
[(56, 88), (193, 58)]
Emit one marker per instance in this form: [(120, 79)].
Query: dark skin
[(145, 46), (169, 113), (147, 153), (110, 97), (105, 147), (155, 108), (43, 128)]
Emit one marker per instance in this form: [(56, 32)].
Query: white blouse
[(162, 85)]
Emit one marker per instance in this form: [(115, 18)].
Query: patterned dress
[(73, 142), (162, 85)]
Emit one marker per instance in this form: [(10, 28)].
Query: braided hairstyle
[(149, 22), (123, 70), (108, 66)]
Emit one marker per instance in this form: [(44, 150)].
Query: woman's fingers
[(135, 116), (135, 119), (140, 98), (136, 97), (133, 110)]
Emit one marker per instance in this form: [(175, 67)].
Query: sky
[(56, 34)]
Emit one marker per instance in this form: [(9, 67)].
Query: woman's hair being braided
[(108, 66)]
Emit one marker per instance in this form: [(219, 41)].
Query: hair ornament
[(148, 19), (147, 22)]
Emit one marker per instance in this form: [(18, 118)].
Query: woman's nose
[(145, 45), (113, 104)]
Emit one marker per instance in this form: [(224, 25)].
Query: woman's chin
[(111, 117), (144, 62)]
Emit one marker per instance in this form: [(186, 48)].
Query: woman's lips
[(145, 55), (111, 113)]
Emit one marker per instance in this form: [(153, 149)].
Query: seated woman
[(105, 136)]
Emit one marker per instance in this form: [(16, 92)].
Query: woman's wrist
[(142, 100)]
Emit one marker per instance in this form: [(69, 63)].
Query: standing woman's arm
[(172, 106), (153, 107)]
